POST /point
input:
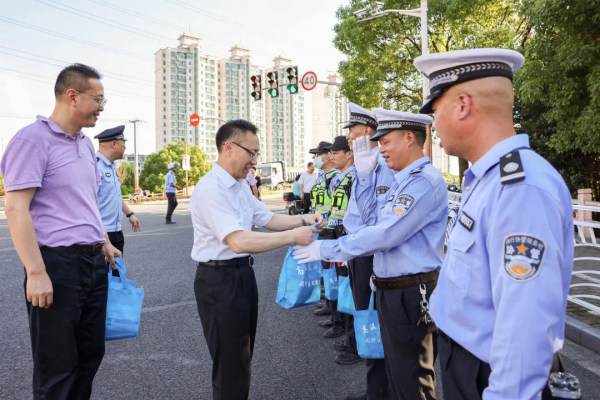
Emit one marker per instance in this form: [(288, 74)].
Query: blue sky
[(119, 38)]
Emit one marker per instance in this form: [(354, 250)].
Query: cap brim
[(380, 133), (427, 107), (313, 151), (349, 124)]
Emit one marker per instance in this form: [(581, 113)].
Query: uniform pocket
[(461, 261)]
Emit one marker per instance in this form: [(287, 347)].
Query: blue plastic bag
[(368, 333), (299, 284), (124, 307), (345, 300), (330, 280)]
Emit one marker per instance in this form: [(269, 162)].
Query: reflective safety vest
[(319, 198), (339, 201)]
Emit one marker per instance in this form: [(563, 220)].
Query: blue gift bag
[(368, 333), (124, 307), (330, 280), (345, 300), (299, 284)]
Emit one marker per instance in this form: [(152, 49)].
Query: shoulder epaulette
[(97, 159), (511, 168), (416, 170)]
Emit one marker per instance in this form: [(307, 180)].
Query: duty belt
[(401, 282)]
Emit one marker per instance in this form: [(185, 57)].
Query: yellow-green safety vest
[(320, 200), (339, 201)]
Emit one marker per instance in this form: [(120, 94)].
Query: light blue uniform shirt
[(409, 235), (338, 178), (364, 194), (502, 292), (109, 195), (170, 178), (296, 189)]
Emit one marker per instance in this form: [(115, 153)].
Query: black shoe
[(357, 397), (322, 295), (320, 305), (171, 222), (340, 345), (335, 331), (347, 358), (323, 311), (326, 324)]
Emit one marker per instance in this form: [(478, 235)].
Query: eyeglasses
[(100, 100), (253, 154)]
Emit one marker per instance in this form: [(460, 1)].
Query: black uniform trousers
[(349, 319), (172, 199), (337, 317), (464, 376), (227, 299), (67, 339), (409, 348), (361, 269), (117, 239), (306, 203)]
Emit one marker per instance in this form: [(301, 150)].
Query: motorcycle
[(293, 204)]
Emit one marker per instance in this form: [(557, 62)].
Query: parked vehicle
[(275, 175), (293, 204)]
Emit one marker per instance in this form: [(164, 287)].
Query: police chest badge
[(108, 174), (402, 204), (379, 190), (523, 256)]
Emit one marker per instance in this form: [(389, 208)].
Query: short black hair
[(75, 76), (233, 128), (297, 177), (420, 136), (309, 164)]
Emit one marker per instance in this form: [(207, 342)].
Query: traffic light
[(293, 79), (273, 83), (256, 87)]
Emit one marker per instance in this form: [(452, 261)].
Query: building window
[(164, 63), (164, 86), (164, 93), (165, 140), (165, 109), (164, 117), (164, 78)]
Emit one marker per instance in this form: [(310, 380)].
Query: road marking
[(168, 307)]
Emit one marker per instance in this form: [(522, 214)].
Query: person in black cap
[(111, 148)]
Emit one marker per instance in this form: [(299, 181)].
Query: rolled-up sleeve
[(23, 165)]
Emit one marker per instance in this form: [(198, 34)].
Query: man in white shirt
[(307, 180), (223, 211)]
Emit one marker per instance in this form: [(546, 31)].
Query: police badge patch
[(523, 256), (379, 190), (402, 204), (108, 174)]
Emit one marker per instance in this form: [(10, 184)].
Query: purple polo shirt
[(64, 207)]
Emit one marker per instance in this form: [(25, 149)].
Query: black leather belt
[(401, 282), (247, 261), (92, 249)]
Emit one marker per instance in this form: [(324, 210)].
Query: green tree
[(1, 186), (155, 169), (126, 177)]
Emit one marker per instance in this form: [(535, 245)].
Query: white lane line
[(168, 307)]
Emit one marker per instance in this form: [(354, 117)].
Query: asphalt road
[(170, 360)]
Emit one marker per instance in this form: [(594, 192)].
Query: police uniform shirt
[(170, 178), (109, 194), (221, 205), (503, 286), (338, 178), (409, 235)]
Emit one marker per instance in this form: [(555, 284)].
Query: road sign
[(185, 163), (309, 80), (194, 120)]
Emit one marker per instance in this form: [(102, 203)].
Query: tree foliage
[(126, 176), (156, 167)]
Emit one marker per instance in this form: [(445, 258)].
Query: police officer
[(501, 300), (408, 244), (111, 148), (170, 188), (320, 202), (339, 190)]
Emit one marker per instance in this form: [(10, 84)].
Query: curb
[(582, 334)]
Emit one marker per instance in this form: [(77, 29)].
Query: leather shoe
[(347, 358), (326, 323), (340, 345), (357, 397), (335, 331), (326, 310), (171, 222), (320, 305)]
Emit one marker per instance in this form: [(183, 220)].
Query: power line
[(74, 39)]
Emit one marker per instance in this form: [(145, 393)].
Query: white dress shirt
[(220, 205), (308, 181)]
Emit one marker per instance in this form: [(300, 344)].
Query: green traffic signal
[(273, 92), (292, 88)]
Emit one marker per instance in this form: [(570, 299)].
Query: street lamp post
[(362, 16)]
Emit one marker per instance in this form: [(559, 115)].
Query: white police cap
[(396, 120), (359, 115), (453, 67)]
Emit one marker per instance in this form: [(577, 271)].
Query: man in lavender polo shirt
[(50, 175)]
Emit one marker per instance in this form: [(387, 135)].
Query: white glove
[(373, 288), (309, 253), (364, 161)]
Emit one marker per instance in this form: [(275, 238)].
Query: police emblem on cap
[(523, 256), (402, 204)]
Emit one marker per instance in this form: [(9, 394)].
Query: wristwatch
[(304, 219), (130, 214)]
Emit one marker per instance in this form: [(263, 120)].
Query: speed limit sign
[(309, 80)]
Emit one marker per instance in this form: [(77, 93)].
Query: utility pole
[(135, 154)]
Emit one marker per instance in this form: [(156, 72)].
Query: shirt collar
[(343, 174), (55, 128), (492, 157), (224, 176), (400, 176), (103, 158)]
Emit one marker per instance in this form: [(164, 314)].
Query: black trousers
[(172, 205), (337, 318), (306, 203), (465, 376), (67, 339), (409, 349), (227, 299), (360, 270), (117, 239)]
